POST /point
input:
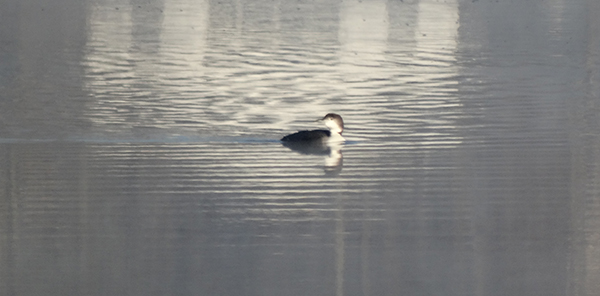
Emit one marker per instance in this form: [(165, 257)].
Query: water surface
[(139, 150)]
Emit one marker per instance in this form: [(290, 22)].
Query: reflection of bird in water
[(320, 142)]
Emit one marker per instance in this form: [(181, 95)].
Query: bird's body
[(302, 136), (333, 121)]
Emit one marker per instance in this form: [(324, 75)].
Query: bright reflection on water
[(139, 150)]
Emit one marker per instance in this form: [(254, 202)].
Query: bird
[(335, 124)]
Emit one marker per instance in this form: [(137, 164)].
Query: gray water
[(139, 150)]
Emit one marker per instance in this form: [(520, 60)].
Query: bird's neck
[(336, 137)]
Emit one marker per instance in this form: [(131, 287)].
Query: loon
[(333, 121)]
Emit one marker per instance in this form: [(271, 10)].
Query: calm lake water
[(139, 150)]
